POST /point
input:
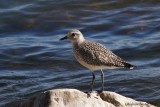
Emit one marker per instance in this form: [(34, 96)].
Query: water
[(32, 59)]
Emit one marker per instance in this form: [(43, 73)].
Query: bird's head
[(75, 36)]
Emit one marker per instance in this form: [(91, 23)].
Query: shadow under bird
[(94, 56)]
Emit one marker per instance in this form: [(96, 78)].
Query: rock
[(120, 101), (76, 98)]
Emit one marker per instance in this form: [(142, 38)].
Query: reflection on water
[(32, 59)]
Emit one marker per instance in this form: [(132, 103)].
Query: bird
[(94, 56)]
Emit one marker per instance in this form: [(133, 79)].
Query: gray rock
[(76, 98)]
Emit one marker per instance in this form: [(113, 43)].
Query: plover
[(94, 56)]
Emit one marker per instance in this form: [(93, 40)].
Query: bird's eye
[(73, 34)]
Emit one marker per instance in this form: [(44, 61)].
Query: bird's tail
[(127, 65)]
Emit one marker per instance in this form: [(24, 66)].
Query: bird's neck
[(79, 41)]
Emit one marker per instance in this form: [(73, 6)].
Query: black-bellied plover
[(94, 56)]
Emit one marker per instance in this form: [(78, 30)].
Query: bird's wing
[(103, 56)]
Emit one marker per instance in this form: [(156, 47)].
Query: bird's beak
[(63, 38)]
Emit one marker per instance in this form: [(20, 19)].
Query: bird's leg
[(102, 78), (93, 79)]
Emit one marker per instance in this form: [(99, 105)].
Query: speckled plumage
[(94, 56)]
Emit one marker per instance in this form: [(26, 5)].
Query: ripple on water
[(32, 59)]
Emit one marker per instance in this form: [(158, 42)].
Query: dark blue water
[(32, 59)]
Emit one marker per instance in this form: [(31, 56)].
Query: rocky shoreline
[(76, 98)]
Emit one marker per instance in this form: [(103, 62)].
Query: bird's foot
[(92, 94), (99, 92)]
